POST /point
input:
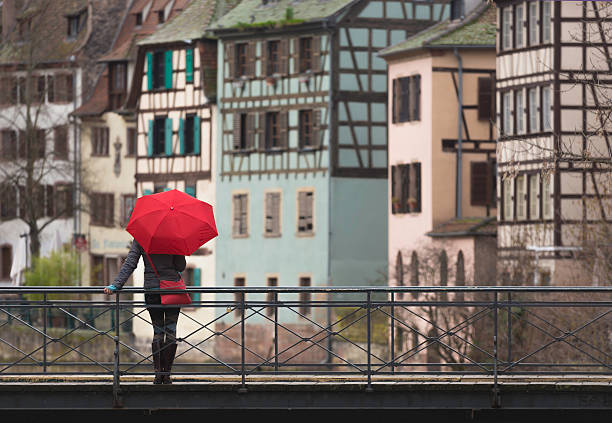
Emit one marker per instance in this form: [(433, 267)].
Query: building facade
[(552, 147)]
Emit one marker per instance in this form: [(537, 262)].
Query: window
[(273, 138), (131, 141), (456, 11), (273, 58), (239, 296), (21, 90), (305, 54), (507, 188), (9, 145), (24, 26), (533, 196), (546, 200), (8, 93), (159, 188), (520, 111), (102, 209), (272, 281), (8, 202), (241, 59), (533, 23), (159, 136), (486, 98), (159, 70), (518, 27), (533, 110), (507, 28), (73, 26), (37, 142), (305, 212), (161, 16), (63, 88), (7, 262), (482, 184), (406, 98), (189, 135), (507, 114), (546, 109), (118, 84), (545, 21), (305, 297), (60, 140), (50, 88), (127, 206), (244, 129), (272, 213), (99, 141), (521, 197), (406, 188), (240, 215), (139, 19), (306, 129), (39, 88), (97, 270), (63, 200)]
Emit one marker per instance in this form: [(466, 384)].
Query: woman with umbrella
[(166, 227)]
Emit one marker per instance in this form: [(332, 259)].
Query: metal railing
[(365, 331)]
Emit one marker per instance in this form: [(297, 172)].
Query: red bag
[(182, 299)]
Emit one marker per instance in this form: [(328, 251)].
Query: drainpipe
[(459, 179)]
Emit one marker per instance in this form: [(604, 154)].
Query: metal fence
[(365, 331)]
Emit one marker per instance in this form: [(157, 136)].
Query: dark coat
[(168, 267)]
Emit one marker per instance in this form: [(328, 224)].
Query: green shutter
[(182, 135), (149, 71), (150, 139), (190, 190), (147, 192), (189, 64), (196, 134), (168, 133), (167, 189), (168, 69), (197, 281)]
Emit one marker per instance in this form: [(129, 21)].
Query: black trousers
[(163, 319)]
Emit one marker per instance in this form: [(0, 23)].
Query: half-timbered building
[(174, 96), (48, 65), (553, 146), (442, 157)]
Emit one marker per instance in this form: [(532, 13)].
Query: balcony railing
[(364, 331)]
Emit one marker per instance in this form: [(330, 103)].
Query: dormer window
[(139, 19), (161, 16), (75, 24), (456, 9)]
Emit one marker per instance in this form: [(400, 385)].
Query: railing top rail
[(314, 289)]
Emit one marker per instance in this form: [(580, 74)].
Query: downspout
[(459, 179)]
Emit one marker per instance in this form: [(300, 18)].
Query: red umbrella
[(172, 222)]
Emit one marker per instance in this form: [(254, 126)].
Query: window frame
[(243, 229), (100, 141), (241, 60), (306, 54), (159, 136), (273, 58), (269, 213), (401, 181), (519, 25), (101, 214), (308, 229), (273, 131)]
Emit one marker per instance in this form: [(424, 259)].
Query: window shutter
[(416, 172), (230, 59), (309, 208), (236, 141), (168, 134), (168, 69), (276, 213), (479, 189), (265, 52), (190, 190), (485, 98), (250, 131), (393, 188), (394, 102), (268, 212), (296, 56), (196, 134), (262, 131), (316, 54), (197, 281), (416, 92), (283, 124), (149, 71), (284, 56), (182, 136), (301, 211), (236, 220), (189, 65), (317, 133), (251, 58), (147, 192), (150, 139)]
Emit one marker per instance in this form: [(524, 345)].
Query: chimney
[(8, 18)]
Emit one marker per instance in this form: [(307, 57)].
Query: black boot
[(168, 354), (156, 351)]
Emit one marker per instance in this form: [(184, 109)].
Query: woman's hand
[(110, 289)]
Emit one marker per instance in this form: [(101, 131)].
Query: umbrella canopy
[(171, 222)]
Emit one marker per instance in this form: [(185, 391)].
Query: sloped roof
[(254, 12), (478, 29), (188, 25), (469, 226)]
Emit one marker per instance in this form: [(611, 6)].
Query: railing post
[(117, 400), (369, 387), (276, 332), (45, 312), (242, 388), (496, 403), (392, 332)]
